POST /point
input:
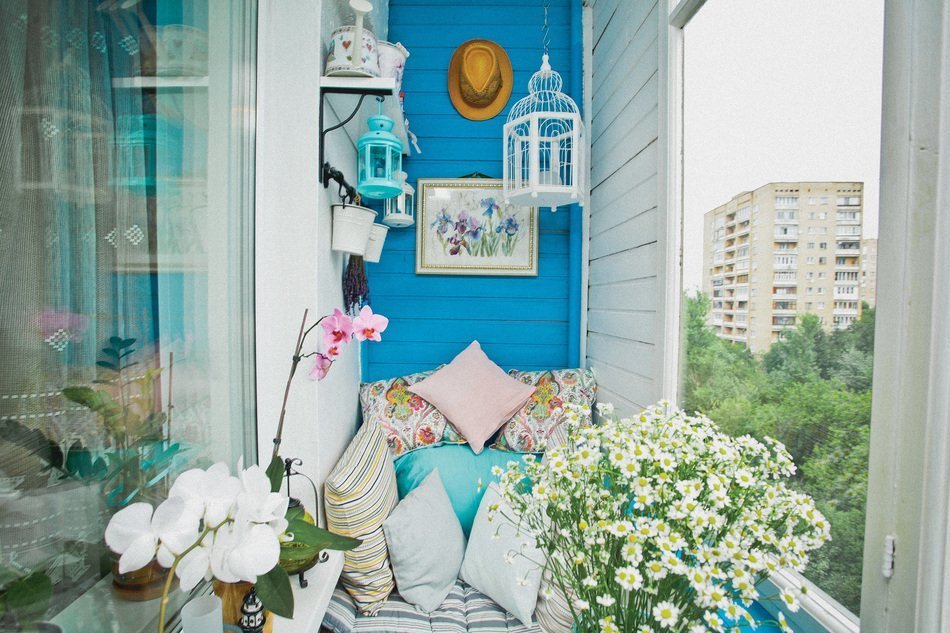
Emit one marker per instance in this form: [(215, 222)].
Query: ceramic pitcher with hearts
[(343, 61)]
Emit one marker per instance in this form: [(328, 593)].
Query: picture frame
[(464, 227)]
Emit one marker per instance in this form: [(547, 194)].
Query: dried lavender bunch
[(355, 285)]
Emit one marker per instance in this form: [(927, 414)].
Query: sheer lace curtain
[(75, 244)]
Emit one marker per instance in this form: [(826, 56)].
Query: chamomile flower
[(789, 599), (666, 613), (783, 623), (606, 600)]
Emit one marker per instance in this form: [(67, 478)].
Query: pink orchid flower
[(368, 326), (338, 329), (320, 368), (333, 352)]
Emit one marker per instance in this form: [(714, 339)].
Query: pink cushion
[(475, 394)]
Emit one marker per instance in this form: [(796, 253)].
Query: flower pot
[(374, 245), (351, 228), (141, 584), (392, 61), (232, 596)]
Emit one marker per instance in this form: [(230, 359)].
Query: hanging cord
[(545, 29)]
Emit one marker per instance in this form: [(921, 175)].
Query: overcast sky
[(779, 90)]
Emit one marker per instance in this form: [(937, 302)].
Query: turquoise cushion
[(460, 470)]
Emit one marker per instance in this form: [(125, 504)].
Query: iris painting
[(466, 228)]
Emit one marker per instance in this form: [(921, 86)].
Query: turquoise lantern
[(380, 159)]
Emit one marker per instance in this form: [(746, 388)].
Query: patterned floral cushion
[(529, 429), (407, 420)]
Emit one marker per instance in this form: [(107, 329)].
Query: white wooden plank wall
[(622, 328)]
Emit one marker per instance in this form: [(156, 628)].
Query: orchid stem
[(171, 573), (293, 370)]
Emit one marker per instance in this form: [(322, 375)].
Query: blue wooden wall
[(526, 323)]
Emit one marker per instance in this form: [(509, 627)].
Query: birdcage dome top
[(544, 94)]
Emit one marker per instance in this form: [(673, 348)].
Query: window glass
[(125, 234), (803, 373)]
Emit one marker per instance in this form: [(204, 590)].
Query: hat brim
[(480, 113)]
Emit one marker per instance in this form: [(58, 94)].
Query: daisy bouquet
[(661, 523)]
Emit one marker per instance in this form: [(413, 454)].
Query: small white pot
[(392, 61), (351, 228), (374, 245)]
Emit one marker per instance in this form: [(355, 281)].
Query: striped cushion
[(553, 612), (360, 494), (465, 610)]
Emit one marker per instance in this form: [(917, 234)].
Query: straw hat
[(479, 79)]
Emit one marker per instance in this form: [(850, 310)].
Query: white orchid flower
[(195, 566), (244, 551), (210, 493), (257, 504), (135, 531)]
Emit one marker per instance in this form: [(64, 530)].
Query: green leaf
[(273, 588), (115, 342), (298, 551), (7, 576), (107, 365), (108, 351), (294, 513), (29, 598), (275, 472), (128, 342), (321, 539)]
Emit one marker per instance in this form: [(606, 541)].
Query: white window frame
[(819, 611)]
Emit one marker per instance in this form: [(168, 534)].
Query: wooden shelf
[(159, 82), (351, 87)]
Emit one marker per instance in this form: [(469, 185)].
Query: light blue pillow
[(502, 560), (426, 545), (460, 470)]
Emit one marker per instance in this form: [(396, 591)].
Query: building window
[(786, 202), (849, 201), (787, 216), (822, 261)]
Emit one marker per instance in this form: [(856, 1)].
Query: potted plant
[(215, 525), (137, 455), (24, 600), (660, 522)]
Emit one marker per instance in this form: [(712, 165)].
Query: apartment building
[(869, 271), (780, 251)]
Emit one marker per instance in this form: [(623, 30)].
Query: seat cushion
[(465, 610), (464, 475), (360, 493)]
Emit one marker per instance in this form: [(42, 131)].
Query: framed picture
[(464, 227)]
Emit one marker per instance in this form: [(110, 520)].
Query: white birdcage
[(544, 146)]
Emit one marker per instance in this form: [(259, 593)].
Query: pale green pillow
[(501, 559), (426, 544)]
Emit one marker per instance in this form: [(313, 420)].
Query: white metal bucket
[(351, 228), (374, 245)]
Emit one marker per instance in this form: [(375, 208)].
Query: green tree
[(812, 391)]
